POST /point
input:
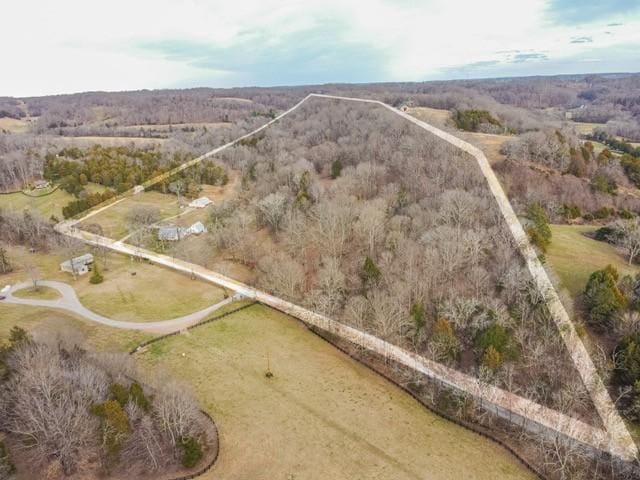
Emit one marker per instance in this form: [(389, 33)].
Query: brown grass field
[(322, 415)]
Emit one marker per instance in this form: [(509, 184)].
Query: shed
[(78, 265), (200, 202), (197, 228)]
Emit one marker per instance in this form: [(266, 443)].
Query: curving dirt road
[(69, 301)]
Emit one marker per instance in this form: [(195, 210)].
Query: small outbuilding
[(201, 202), (40, 184), (77, 265), (197, 228)]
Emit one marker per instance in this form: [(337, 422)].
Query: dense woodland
[(514, 105), (396, 233)]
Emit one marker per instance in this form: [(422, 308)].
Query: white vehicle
[(4, 291)]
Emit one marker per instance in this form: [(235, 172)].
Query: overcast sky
[(68, 46)]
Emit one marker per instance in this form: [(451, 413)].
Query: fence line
[(523, 412)]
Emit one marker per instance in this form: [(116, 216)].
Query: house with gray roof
[(77, 265)]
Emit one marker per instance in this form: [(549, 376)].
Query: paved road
[(69, 301)]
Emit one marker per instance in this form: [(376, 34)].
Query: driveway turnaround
[(69, 301)]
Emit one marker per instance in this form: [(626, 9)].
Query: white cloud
[(74, 45)]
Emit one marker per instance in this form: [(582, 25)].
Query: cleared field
[(43, 205), (14, 125), (111, 141), (174, 126), (322, 415), (574, 256), (490, 144), (153, 293), (435, 116), (586, 128), (114, 219)]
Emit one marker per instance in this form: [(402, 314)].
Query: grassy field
[(435, 116), (15, 125), (321, 416), (490, 144), (40, 293), (42, 321), (153, 293), (574, 256), (43, 205), (114, 219), (586, 128)]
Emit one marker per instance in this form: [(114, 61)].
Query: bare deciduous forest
[(354, 212)]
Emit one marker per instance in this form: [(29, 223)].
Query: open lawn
[(153, 293), (56, 322), (39, 293), (321, 416), (574, 256), (113, 220)]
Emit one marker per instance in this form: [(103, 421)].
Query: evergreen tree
[(5, 264), (336, 168), (602, 296), (370, 273), (539, 230), (96, 276)]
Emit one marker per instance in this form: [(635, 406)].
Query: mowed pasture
[(131, 291), (40, 203), (573, 256), (322, 415)]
